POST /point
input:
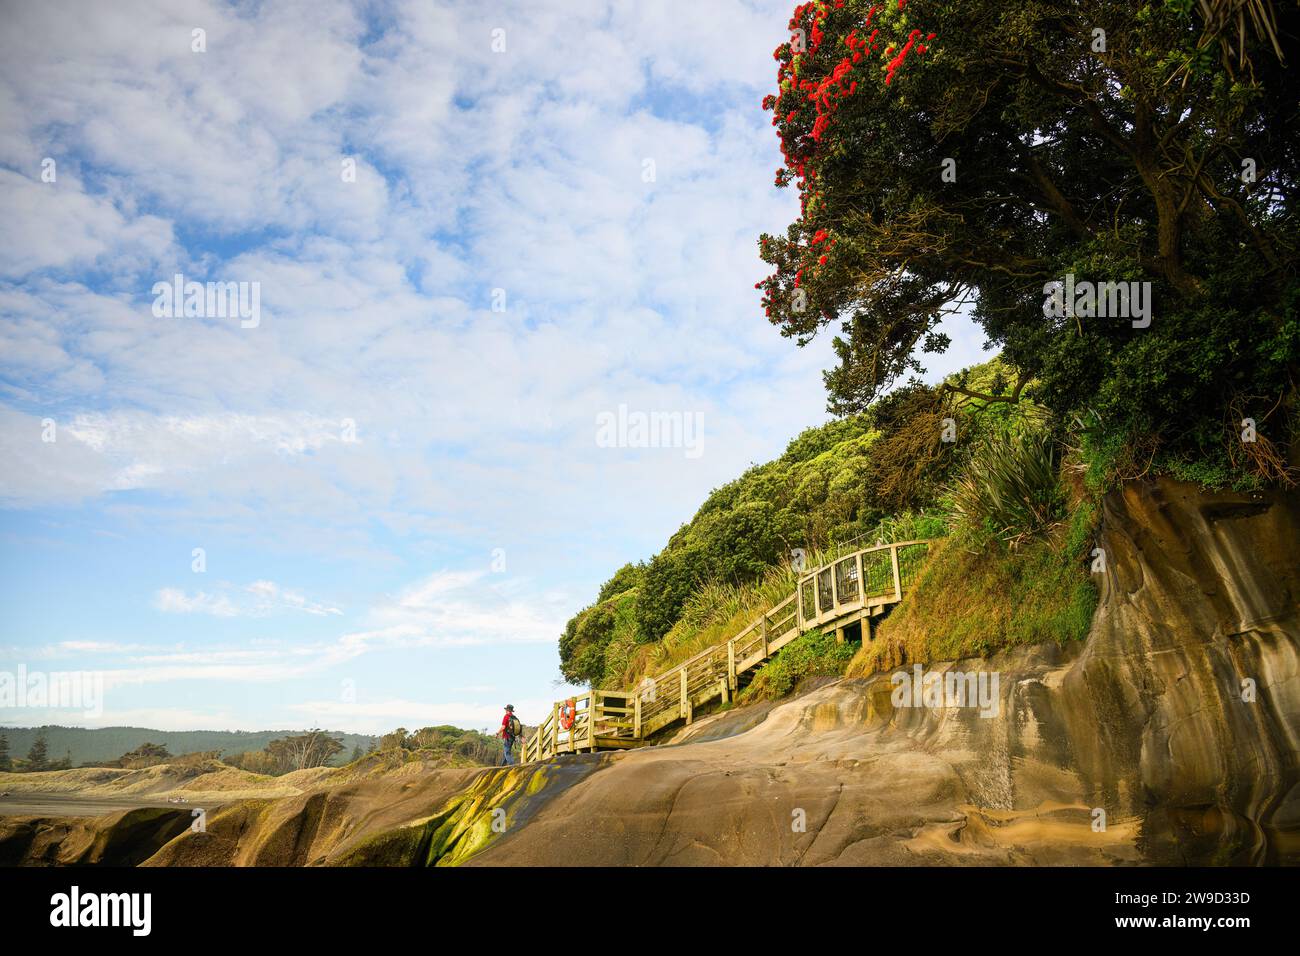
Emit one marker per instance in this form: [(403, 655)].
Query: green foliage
[(146, 755), (589, 634), (460, 747), (1173, 401), (443, 744), (818, 492), (1015, 569), (625, 578), (714, 612), (832, 484), (810, 655), (1010, 487), (38, 755), (479, 747), (256, 761), (975, 598), (315, 748), (875, 477), (1116, 166)]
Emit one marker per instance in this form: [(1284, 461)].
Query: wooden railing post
[(546, 741), (555, 729)]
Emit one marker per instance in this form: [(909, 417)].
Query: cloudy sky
[(473, 229)]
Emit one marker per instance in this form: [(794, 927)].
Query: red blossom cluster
[(812, 83)]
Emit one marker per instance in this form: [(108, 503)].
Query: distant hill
[(109, 743)]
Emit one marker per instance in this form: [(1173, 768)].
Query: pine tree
[(5, 762), (38, 756)]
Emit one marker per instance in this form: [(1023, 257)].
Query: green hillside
[(921, 463)]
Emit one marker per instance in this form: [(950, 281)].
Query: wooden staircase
[(849, 590)]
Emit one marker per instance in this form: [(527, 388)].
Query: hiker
[(511, 730)]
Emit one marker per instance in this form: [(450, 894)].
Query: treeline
[(315, 748), (80, 745), (37, 758), (478, 747)]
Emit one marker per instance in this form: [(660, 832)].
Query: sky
[(474, 233)]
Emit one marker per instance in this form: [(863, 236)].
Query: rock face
[(1185, 704), (1168, 737), (1177, 720)]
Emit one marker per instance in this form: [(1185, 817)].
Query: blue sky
[(397, 489)]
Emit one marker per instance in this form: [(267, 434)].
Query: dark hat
[(510, 706)]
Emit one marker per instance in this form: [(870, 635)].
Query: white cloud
[(445, 610), (56, 225), (254, 600), (619, 291), (474, 429), (175, 601), (459, 609)]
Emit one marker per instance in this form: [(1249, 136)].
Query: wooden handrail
[(676, 696)]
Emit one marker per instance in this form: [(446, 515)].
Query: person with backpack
[(511, 730)]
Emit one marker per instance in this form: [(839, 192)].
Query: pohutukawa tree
[(978, 152)]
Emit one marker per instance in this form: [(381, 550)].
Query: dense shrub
[(814, 654), (1009, 488)]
